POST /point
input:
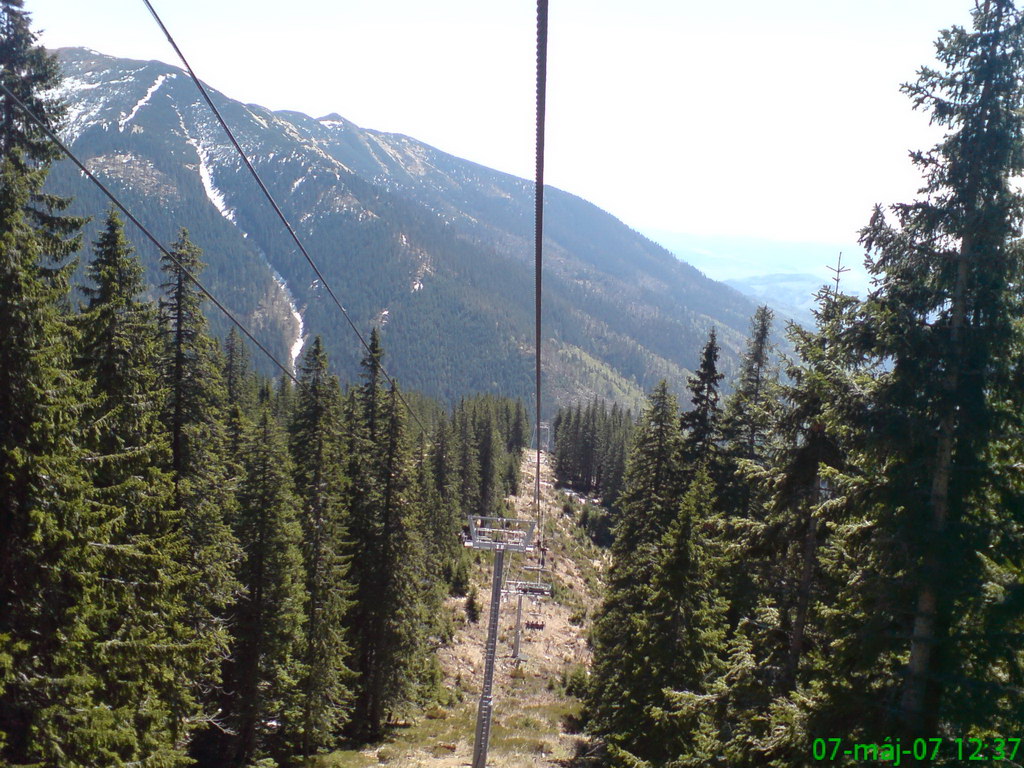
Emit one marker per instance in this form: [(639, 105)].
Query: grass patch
[(343, 758)]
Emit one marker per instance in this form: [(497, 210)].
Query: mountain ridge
[(435, 249)]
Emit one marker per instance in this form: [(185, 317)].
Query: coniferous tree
[(684, 627), (48, 714), (468, 461), (935, 533), (284, 396), (240, 394), (49, 594), (447, 518), (751, 412), (193, 415), (326, 691), (519, 436), (145, 650), (750, 422), (264, 675), (623, 685), (590, 449), (489, 492), (702, 429), (391, 617), (779, 594), (32, 73)]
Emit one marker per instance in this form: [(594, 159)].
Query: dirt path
[(531, 709)]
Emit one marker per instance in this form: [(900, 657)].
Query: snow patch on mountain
[(142, 102), (76, 84), (300, 335), (205, 174), (82, 111), (299, 340)]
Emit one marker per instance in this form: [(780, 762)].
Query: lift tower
[(502, 535)]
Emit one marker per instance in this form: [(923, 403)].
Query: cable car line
[(142, 228), (277, 209), (538, 237)]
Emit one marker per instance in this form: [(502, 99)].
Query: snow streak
[(142, 102)]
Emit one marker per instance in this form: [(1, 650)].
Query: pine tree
[(622, 685), (685, 629), (702, 429), (268, 642), (145, 651), (326, 691), (48, 525), (32, 73), (931, 538), (193, 415), (392, 612)]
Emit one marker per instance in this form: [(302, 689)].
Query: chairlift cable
[(142, 228)]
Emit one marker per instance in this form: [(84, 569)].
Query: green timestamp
[(898, 752)]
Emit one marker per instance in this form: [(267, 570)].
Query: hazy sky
[(777, 120)]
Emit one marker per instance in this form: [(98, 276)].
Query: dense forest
[(827, 567), (199, 565), (203, 566)]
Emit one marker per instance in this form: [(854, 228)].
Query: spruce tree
[(146, 653), (49, 604), (684, 628), (519, 436), (939, 434), (48, 523), (32, 73), (468, 460), (392, 620), (240, 392), (749, 428), (622, 684), (491, 455), (193, 414), (751, 412), (444, 516), (702, 429), (265, 672), (779, 650), (322, 486)]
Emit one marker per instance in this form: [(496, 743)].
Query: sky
[(777, 122)]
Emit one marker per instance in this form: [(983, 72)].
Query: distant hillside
[(789, 295), (435, 250)]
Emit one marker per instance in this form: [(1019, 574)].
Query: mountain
[(792, 296), (729, 257), (435, 250)]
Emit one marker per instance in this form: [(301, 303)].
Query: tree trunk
[(803, 599), (922, 689)]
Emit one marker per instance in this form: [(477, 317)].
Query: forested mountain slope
[(434, 249)]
